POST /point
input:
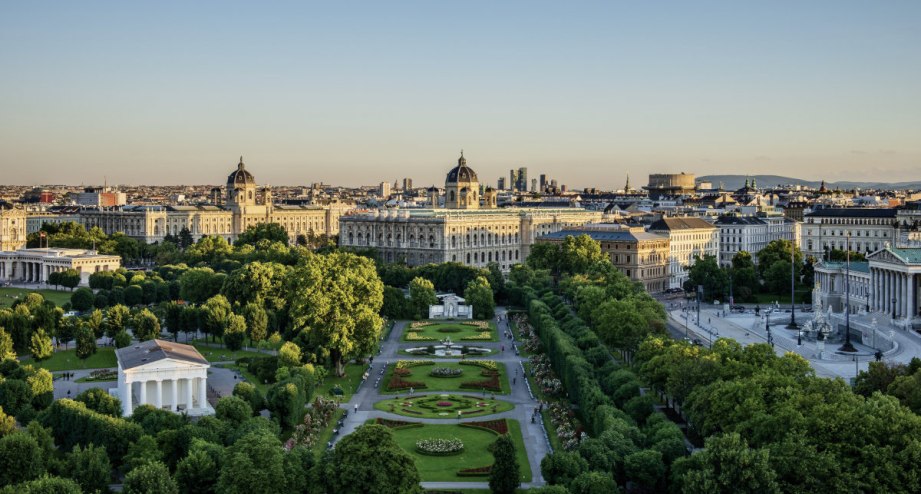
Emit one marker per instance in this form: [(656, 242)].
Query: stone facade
[(869, 228), (752, 233), (35, 265), (688, 238), (12, 228), (641, 256), (165, 375), (465, 231)]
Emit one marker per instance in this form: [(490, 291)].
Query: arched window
[(490, 257), (452, 196), (516, 255), (351, 239), (468, 258), (453, 241)]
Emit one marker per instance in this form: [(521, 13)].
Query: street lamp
[(792, 324), (847, 346)]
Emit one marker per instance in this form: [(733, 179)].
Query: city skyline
[(353, 96)]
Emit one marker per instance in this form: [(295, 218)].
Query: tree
[(116, 319), (561, 467), (273, 232), (197, 472), (172, 316), (254, 463), (214, 315), (149, 478), (21, 458), (45, 485), (199, 284), (505, 475), (396, 305), (82, 299), (645, 468), (620, 324), (250, 394), (777, 277), (727, 465), (289, 355), (7, 423), (70, 278), (6, 346), (257, 282), (257, 321), (99, 401), (122, 339), (578, 253), (90, 468), (41, 346), (369, 460), (593, 483), (233, 410), (707, 272), (146, 325), (94, 322), (235, 332), (479, 294), (86, 342), (422, 295), (335, 305), (184, 238), (189, 320), (778, 250)]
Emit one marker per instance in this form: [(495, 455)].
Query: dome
[(240, 176), (461, 172)]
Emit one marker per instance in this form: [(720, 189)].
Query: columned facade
[(165, 375), (36, 265), (895, 274)]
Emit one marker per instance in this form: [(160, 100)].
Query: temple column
[(142, 394), (158, 397), (174, 384), (910, 311), (126, 398), (188, 395), (202, 393)]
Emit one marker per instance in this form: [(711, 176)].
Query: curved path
[(533, 436)]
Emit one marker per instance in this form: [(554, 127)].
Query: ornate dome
[(240, 176), (461, 172)]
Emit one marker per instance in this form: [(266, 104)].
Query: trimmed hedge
[(72, 424)]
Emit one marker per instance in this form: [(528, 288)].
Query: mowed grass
[(348, 382), (420, 373), (65, 360), (456, 330), (10, 295), (476, 453), (217, 354)]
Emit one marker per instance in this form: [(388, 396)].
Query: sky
[(356, 93)]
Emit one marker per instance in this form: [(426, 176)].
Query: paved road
[(534, 440)]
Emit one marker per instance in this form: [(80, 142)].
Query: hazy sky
[(359, 92)]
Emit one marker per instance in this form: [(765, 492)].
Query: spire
[(746, 183), (240, 166), (627, 186), (462, 161)]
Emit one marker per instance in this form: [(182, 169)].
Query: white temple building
[(451, 307), (166, 375)]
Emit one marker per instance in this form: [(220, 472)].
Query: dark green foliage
[(72, 424), (251, 395), (90, 468), (98, 400), (254, 463), (150, 478), (369, 460), (82, 299), (21, 458), (198, 472), (593, 483), (505, 475), (45, 485), (233, 410), (561, 467)]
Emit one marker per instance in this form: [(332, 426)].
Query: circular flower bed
[(445, 372), (437, 446)]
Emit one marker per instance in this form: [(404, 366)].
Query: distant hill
[(733, 182)]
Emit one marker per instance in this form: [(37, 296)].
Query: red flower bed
[(499, 426), (444, 403), (491, 384), (475, 472), (398, 383), (392, 423), (402, 371)]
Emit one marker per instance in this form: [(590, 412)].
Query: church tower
[(241, 187)]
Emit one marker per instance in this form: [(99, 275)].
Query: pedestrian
[(514, 381), (356, 408)]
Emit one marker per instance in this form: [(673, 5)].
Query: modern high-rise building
[(407, 184), (501, 183), (522, 179), (513, 180), (533, 185), (543, 181), (383, 190)]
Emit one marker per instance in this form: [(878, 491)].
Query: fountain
[(447, 348)]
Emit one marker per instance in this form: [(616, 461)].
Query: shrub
[(445, 372), (440, 446)]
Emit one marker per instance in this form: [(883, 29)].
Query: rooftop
[(625, 235), (853, 213), (154, 350), (682, 223)]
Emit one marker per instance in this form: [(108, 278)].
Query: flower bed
[(485, 335), (418, 337), (477, 324), (444, 404), (475, 472), (398, 383), (397, 424), (486, 364), (437, 446), (315, 420), (406, 364), (499, 426), (492, 384), (420, 324), (445, 372)]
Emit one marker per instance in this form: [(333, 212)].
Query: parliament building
[(469, 229)]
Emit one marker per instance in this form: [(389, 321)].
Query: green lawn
[(475, 454), (67, 360), (9, 295), (802, 296), (249, 376), (215, 354), (426, 406), (348, 382), (438, 331), (421, 374)]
